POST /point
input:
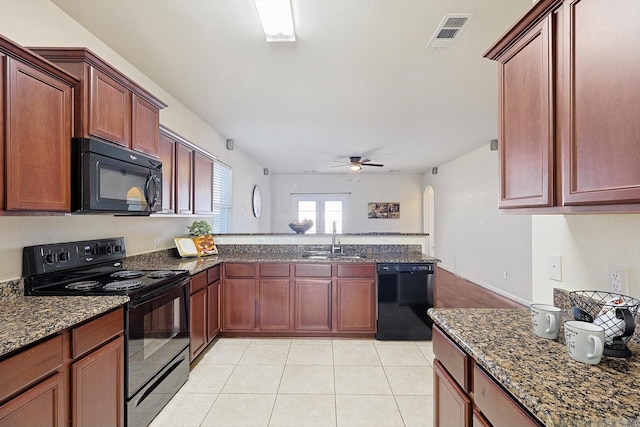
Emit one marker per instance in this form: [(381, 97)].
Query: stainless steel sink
[(331, 256)]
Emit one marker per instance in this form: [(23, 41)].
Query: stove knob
[(108, 249), (117, 249), (50, 258), (64, 256)]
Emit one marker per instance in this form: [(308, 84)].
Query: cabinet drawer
[(240, 269), (29, 366), (96, 332), (274, 270), (452, 357), (496, 405), (313, 270), (198, 282), (356, 270), (213, 274)]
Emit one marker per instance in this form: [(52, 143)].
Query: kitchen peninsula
[(484, 352)]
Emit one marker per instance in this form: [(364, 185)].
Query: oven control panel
[(62, 256)]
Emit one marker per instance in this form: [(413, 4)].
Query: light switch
[(555, 267)]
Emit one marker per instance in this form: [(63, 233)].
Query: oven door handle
[(159, 293)]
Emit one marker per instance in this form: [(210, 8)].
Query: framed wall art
[(386, 210)]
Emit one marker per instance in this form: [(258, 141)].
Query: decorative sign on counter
[(196, 246), (386, 210)]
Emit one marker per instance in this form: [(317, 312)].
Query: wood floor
[(455, 292)]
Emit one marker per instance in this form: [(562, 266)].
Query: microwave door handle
[(150, 179)]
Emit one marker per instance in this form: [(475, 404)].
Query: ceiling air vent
[(449, 29)]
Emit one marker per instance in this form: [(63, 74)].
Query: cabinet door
[(197, 323), (213, 305), (274, 305), (3, 60), (98, 387), (356, 305), (601, 146), (526, 152), (239, 305), (42, 405), (110, 109), (38, 140), (184, 179), (145, 120), (452, 407), (312, 305), (167, 154), (202, 184)]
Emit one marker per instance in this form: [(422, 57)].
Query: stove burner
[(83, 286), (123, 285), (161, 274), (127, 274)]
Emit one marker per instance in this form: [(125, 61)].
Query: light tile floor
[(306, 382)]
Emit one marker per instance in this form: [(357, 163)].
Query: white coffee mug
[(585, 341), (546, 320)]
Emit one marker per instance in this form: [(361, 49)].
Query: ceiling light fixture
[(355, 167), (277, 20)]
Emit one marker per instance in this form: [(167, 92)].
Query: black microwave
[(107, 178)]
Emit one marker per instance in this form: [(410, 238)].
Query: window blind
[(222, 197)]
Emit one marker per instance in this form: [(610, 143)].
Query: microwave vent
[(449, 29)]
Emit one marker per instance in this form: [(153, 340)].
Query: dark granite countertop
[(27, 319), (167, 260), (539, 373)]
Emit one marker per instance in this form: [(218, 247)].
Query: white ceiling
[(359, 80)]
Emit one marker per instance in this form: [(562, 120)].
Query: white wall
[(587, 244), (41, 23), (471, 238), (405, 189)]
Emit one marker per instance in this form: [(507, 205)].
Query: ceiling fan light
[(355, 167), (277, 20)]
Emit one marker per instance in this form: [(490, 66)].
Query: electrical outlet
[(618, 279), (554, 268)]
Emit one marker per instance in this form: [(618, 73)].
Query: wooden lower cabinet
[(451, 406), (274, 304), (197, 323), (312, 306), (299, 299), (80, 369), (42, 405), (213, 314), (356, 305), (464, 394), (239, 305), (98, 387)]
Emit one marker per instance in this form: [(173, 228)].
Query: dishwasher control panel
[(405, 268)]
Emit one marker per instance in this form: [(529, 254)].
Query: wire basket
[(615, 313)]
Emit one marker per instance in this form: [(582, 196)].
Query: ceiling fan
[(356, 163)]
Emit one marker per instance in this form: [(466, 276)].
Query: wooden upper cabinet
[(145, 120), (110, 105), (202, 184), (568, 107), (38, 139), (109, 109), (526, 139), (3, 59), (167, 155), (601, 147), (184, 179)]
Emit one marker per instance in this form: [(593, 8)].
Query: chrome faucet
[(334, 248)]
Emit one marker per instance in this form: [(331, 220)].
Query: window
[(222, 197), (322, 209)]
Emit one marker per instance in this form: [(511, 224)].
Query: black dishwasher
[(405, 293)]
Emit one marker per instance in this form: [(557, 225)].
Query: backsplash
[(11, 289)]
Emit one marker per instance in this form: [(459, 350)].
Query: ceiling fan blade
[(364, 161), (372, 164)]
